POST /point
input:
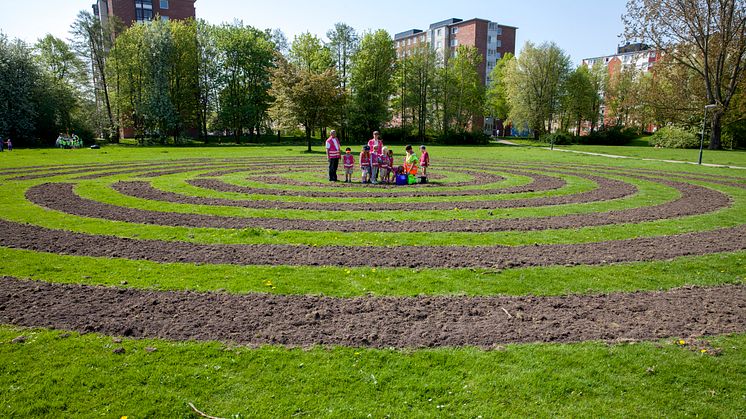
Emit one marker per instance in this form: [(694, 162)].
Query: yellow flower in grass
[(682, 342)]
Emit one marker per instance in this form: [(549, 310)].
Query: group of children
[(67, 141), (377, 165)]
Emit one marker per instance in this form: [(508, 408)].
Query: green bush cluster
[(610, 136), (674, 137)]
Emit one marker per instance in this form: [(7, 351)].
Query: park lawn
[(641, 149), (55, 373), (710, 270), (14, 207)]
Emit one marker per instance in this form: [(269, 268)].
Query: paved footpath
[(614, 156)]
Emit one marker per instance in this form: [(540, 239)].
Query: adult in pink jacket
[(333, 153)]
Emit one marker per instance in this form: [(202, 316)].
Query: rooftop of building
[(407, 34)]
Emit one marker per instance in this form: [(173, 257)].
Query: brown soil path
[(694, 200), (259, 319), (25, 236)]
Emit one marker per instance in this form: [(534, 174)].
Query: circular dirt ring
[(418, 322), (694, 200)]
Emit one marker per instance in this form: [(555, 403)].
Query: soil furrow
[(31, 237), (416, 322)]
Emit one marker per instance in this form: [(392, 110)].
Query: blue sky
[(583, 28)]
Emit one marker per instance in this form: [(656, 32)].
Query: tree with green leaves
[(19, 77), (414, 79), (92, 41), (580, 97), (497, 104), (304, 97), (248, 56), (343, 43), (535, 83), (706, 36), (467, 93), (309, 54), (371, 82)]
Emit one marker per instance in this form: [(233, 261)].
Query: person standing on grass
[(424, 160), (9, 143), (333, 154), (349, 164), (410, 161), (376, 149), (365, 164)]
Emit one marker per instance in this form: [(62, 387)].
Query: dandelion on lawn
[(268, 283), (373, 270), (682, 342), (703, 351)]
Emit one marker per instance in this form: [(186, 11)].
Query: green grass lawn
[(56, 373), (641, 149), (69, 375)]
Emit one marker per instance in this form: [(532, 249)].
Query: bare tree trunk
[(716, 131)]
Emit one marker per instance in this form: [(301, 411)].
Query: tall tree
[(414, 80), (248, 60), (707, 36), (343, 42), (497, 104), (92, 41), (209, 63), (535, 83), (309, 54), (580, 97), (467, 90), (305, 97), (18, 78), (372, 81)]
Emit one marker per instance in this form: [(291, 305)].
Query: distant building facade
[(491, 39), (639, 57), (132, 11)]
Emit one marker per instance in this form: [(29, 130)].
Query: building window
[(454, 31), (143, 10), (440, 44), (498, 57), (164, 18), (422, 38), (440, 32), (454, 42), (164, 4), (499, 31), (499, 43)]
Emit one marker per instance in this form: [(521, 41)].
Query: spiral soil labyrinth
[(274, 222)]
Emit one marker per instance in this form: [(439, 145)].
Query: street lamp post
[(704, 125)]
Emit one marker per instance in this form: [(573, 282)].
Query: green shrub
[(673, 137), (462, 138), (610, 136), (558, 138)]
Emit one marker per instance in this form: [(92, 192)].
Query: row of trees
[(42, 91), (703, 57)]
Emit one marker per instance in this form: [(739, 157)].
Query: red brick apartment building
[(491, 39), (131, 11)]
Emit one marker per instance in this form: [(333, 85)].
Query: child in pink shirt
[(424, 160), (348, 160), (365, 164)]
